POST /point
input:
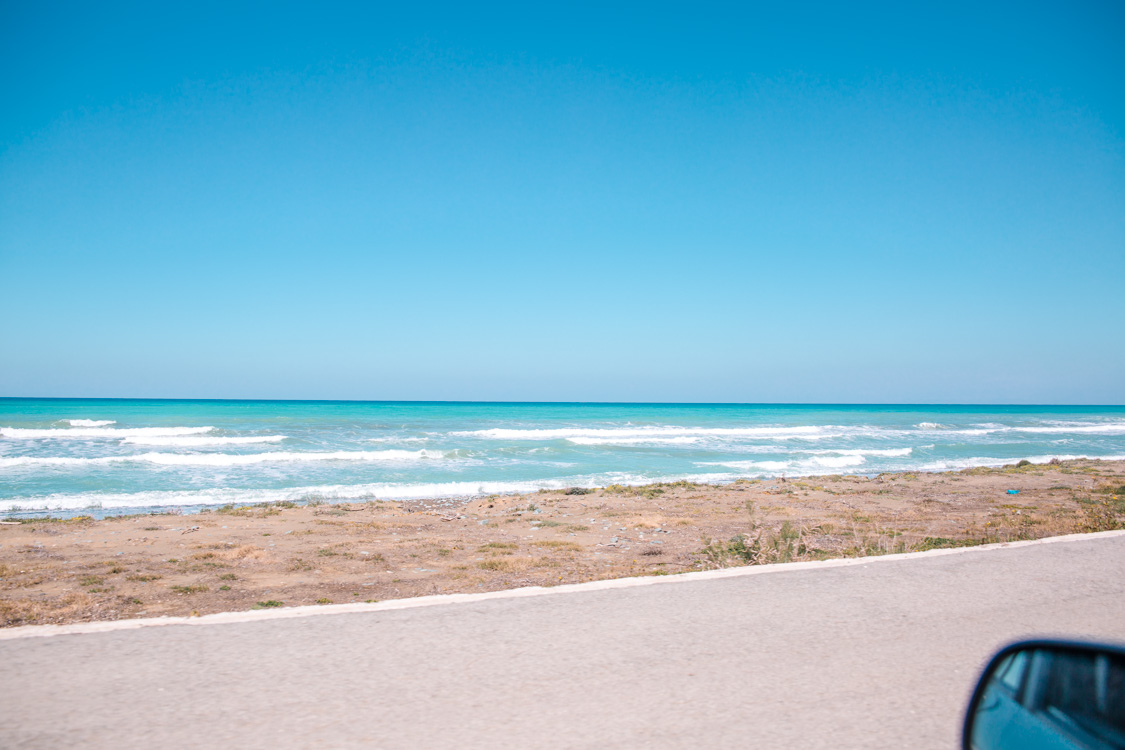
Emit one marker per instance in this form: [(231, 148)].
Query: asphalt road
[(882, 654)]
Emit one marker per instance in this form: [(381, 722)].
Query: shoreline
[(314, 495), (265, 556)]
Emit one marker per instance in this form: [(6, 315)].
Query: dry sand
[(54, 571)]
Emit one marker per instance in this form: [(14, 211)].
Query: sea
[(105, 457)]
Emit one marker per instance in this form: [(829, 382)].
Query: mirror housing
[(1047, 694)]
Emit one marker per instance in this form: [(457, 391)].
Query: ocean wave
[(334, 493), (817, 465), (102, 432), (972, 432), (861, 451), (648, 433), (329, 493), (956, 464), (221, 459), (988, 428), (977, 461), (196, 442), (832, 462), (90, 422), (750, 465), (827, 458), (1108, 428), (93, 501), (805, 466), (626, 441)]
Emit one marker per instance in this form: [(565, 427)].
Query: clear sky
[(797, 202)]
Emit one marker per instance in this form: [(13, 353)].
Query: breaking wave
[(626, 441), (863, 451), (221, 459), (196, 442), (102, 432), (1108, 428), (644, 433), (809, 465)]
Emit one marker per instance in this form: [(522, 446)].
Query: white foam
[(341, 493), (102, 432), (91, 422), (834, 462), (195, 442), (970, 463), (808, 465), (223, 496), (221, 459), (863, 451), (827, 458), (1108, 428), (625, 441), (974, 432), (988, 428), (569, 433), (751, 465), (956, 464), (437, 490)]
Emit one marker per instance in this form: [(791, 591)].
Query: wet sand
[(228, 559)]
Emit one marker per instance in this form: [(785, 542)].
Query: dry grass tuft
[(559, 546)]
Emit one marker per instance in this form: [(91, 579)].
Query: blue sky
[(698, 202)]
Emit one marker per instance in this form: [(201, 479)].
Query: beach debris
[(189, 530), (1013, 492)]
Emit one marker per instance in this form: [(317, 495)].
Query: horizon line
[(553, 403)]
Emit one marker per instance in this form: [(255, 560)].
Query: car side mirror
[(1043, 695)]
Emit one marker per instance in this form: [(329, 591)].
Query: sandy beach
[(237, 558)]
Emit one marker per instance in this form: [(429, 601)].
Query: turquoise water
[(117, 456)]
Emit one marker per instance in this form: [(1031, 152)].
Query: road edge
[(223, 618)]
